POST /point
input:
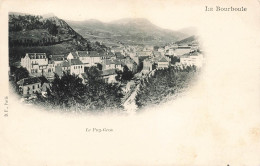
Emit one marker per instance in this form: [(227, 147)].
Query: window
[(38, 85), (33, 86)]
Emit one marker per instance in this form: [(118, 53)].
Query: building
[(119, 55), (45, 84), (109, 76), (76, 66), (169, 52), (147, 66), (191, 59), (130, 63), (163, 63), (90, 58), (182, 50), (119, 65), (144, 53), (29, 86), (108, 64), (72, 55), (161, 50), (35, 63)]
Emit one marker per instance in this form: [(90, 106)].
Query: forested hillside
[(30, 33)]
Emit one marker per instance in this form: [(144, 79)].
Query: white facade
[(181, 51), (163, 64), (196, 60), (91, 61), (35, 62), (76, 69)]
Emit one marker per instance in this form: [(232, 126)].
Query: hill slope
[(187, 40), (128, 30), (29, 33)]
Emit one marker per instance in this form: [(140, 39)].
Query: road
[(130, 105)]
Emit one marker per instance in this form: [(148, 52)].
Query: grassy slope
[(16, 53)]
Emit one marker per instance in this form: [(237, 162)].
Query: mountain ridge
[(137, 30)]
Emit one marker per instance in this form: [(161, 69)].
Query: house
[(191, 59), (72, 55), (119, 56), (163, 63), (45, 84), (119, 65), (144, 53), (161, 50), (117, 49), (108, 64), (35, 63), (57, 59), (157, 53), (169, 52), (90, 58), (76, 66), (147, 66), (49, 73), (109, 76), (29, 86), (130, 63), (66, 66), (136, 59), (181, 50)]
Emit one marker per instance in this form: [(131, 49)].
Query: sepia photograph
[(130, 82), (90, 66)]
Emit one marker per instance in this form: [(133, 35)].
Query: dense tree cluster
[(68, 93), (29, 22), (29, 42), (163, 83), (16, 75), (125, 75)]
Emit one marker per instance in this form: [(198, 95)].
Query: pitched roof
[(163, 59), (76, 62), (43, 79), (119, 55), (91, 54), (74, 54), (36, 55), (83, 53), (29, 81), (59, 57), (65, 64)]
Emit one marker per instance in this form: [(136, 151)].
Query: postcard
[(133, 82)]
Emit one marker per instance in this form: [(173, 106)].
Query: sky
[(167, 14)]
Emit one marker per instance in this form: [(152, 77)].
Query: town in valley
[(59, 65)]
